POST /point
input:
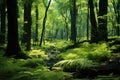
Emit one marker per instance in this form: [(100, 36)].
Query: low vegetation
[(50, 63)]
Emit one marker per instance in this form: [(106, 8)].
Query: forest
[(59, 39)]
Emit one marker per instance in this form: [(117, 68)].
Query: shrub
[(38, 54)]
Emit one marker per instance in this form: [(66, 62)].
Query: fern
[(77, 64)]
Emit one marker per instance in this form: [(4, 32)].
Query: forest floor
[(62, 60)]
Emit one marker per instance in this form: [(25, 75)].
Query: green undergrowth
[(27, 69), (95, 52), (59, 44), (38, 54), (77, 64)]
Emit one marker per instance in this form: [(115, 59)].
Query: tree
[(13, 48), (94, 31), (36, 29), (117, 12), (65, 16), (87, 23), (73, 13), (44, 21), (102, 20), (3, 16), (27, 24)]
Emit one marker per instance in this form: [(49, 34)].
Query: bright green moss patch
[(96, 52)]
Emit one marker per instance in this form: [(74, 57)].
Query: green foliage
[(77, 64), (38, 54), (7, 68), (95, 52), (32, 63), (58, 44), (50, 75)]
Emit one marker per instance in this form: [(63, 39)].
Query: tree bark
[(94, 31), (73, 13), (118, 18), (27, 25), (3, 27), (44, 23), (36, 29), (102, 20), (87, 23), (13, 48)]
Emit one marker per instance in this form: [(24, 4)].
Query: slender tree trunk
[(13, 48), (73, 13), (66, 24), (3, 27), (88, 23), (94, 31), (44, 23), (118, 18), (102, 20), (36, 29)]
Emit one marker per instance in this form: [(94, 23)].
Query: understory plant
[(96, 52), (77, 64)]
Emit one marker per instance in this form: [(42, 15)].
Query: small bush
[(38, 54)]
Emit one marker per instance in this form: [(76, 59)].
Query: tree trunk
[(3, 27), (102, 20), (36, 29), (73, 13), (13, 48), (44, 23), (87, 23), (66, 24), (118, 18), (27, 25), (94, 31)]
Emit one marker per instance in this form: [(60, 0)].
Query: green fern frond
[(77, 64)]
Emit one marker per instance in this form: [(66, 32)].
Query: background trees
[(66, 20)]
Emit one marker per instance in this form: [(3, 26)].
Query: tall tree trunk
[(118, 18), (44, 23), (87, 23), (36, 29), (94, 31), (13, 48), (27, 25), (102, 20), (73, 13), (66, 24), (3, 27)]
